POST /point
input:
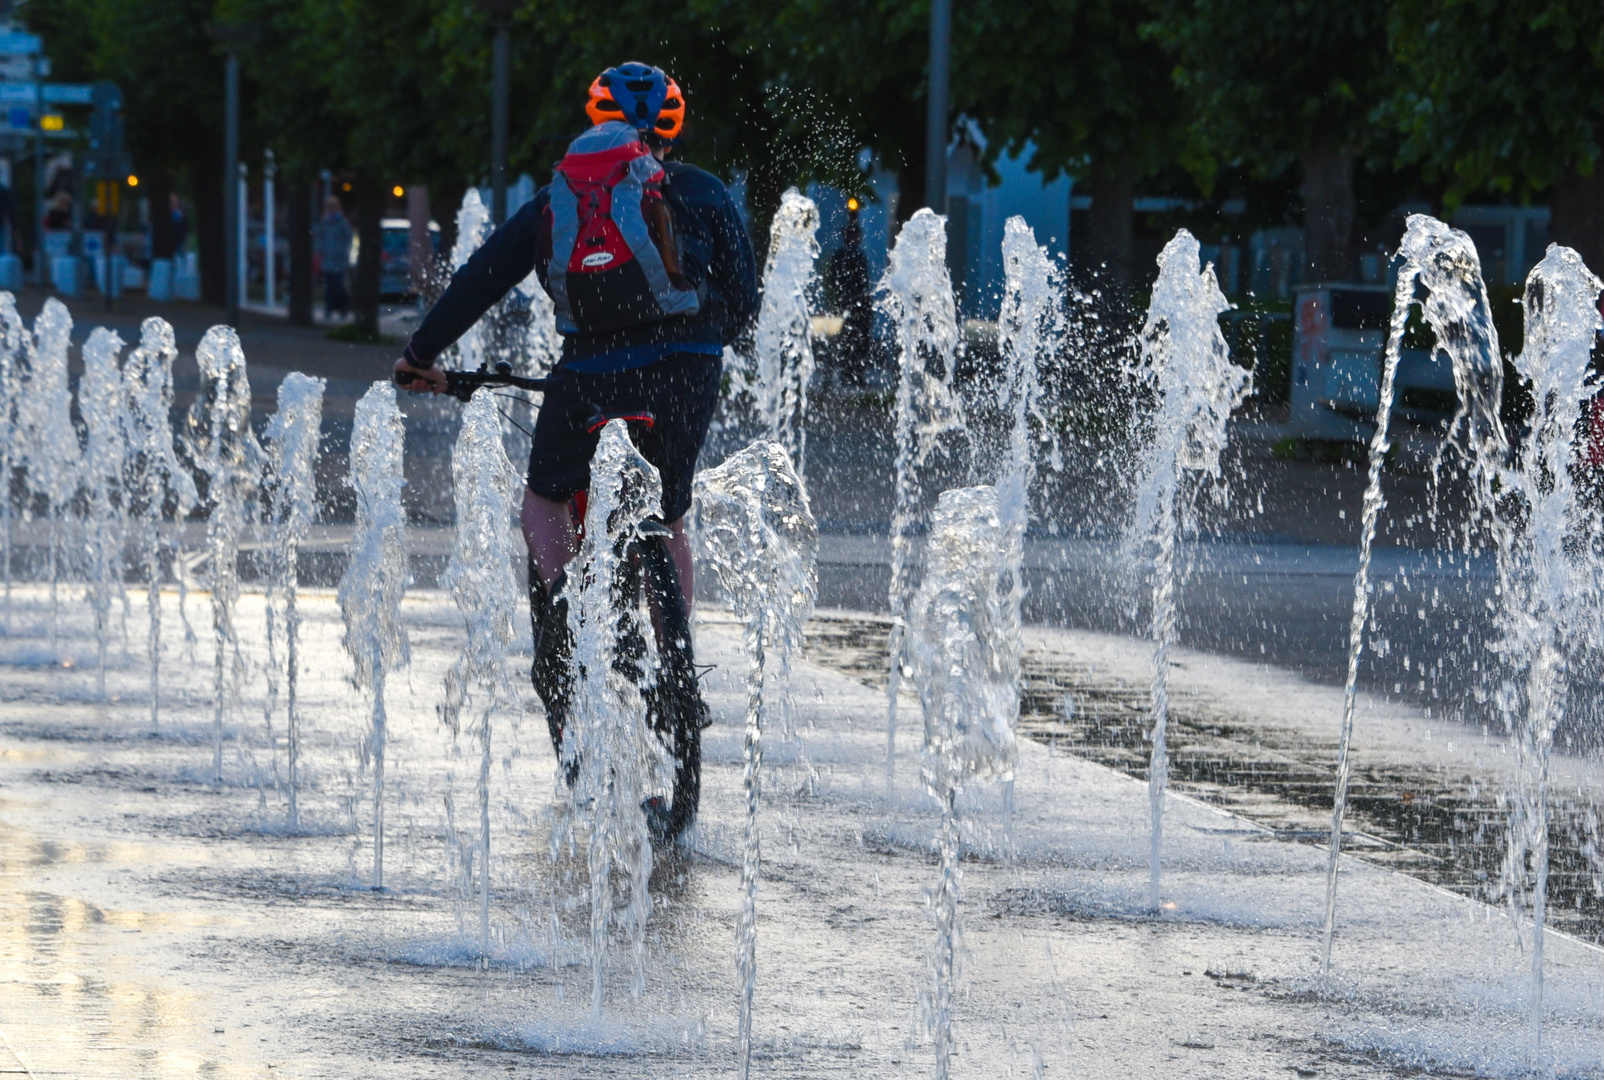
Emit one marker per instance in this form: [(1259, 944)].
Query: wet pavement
[(1424, 810), (153, 923)]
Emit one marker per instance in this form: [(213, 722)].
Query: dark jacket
[(715, 254)]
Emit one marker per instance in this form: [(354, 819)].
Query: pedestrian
[(59, 216), (334, 253), (180, 221), (849, 284)]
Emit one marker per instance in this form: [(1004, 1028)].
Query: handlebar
[(462, 384)]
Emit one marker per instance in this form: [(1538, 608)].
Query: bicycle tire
[(675, 709)]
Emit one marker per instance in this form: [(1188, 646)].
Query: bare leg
[(553, 541), (549, 532)]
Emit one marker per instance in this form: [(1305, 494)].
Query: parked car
[(1339, 335), (395, 263)]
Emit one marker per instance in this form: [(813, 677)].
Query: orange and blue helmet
[(640, 95)]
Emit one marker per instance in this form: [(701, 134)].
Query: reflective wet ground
[(1439, 819), (153, 923)]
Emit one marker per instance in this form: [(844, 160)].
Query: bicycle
[(674, 707)]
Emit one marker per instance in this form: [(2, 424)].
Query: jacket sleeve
[(501, 262), (733, 268)]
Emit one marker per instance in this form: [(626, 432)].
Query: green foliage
[(1269, 79), (169, 70), (1076, 78), (1506, 95)]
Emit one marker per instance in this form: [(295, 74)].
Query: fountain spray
[(532, 345), (14, 356), (1031, 321), (620, 763), (105, 465), (916, 294), (473, 227), (156, 475), (1545, 596), (783, 340), (376, 575), (50, 452), (292, 437), (225, 450), (758, 533), (1184, 363), (969, 690), (480, 579), (1444, 261)]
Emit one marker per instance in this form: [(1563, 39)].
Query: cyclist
[(651, 272)]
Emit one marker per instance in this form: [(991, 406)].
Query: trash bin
[(64, 274), (161, 280), (10, 272)]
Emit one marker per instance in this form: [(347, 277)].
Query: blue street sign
[(69, 94), (54, 93), (15, 43), (19, 117)]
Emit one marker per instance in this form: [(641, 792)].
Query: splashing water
[(376, 575), (156, 475), (620, 762), (968, 686), (226, 451), (1185, 364), (1374, 501), (13, 361), (50, 451), (531, 344), (473, 227), (1030, 324), (1545, 599), (520, 330), (480, 579), (783, 339), (759, 536), (292, 436), (101, 403), (916, 295), (1444, 261)]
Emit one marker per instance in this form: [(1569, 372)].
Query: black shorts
[(679, 391)]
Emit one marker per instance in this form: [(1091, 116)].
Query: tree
[(1508, 96), (172, 78), (1079, 81), (1272, 82)]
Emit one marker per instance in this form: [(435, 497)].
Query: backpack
[(614, 262)]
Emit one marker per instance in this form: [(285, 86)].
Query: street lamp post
[(231, 208), (500, 12), (937, 105), (40, 268), (269, 241), (231, 36)]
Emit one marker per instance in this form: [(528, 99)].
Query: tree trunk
[(911, 181), (1329, 208), (448, 197), (1577, 205), (420, 251), (763, 191), (1111, 230), (163, 240), (303, 194), (210, 228), (370, 195)]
